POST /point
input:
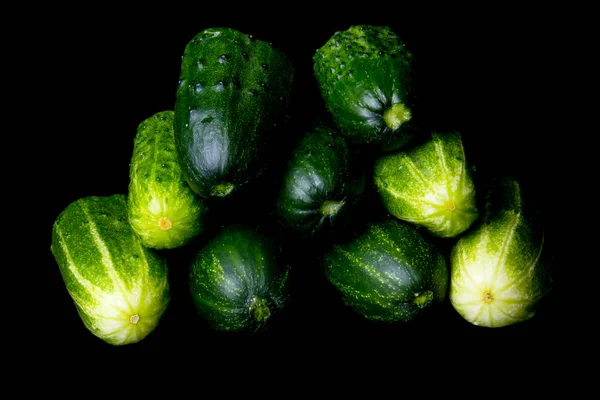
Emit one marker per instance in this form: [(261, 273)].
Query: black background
[(486, 73)]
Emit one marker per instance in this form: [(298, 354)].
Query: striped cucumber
[(429, 184), (120, 288), (389, 272), (498, 270), (163, 210), (237, 281)]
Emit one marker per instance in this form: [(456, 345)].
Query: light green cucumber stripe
[(155, 144), (465, 270), (483, 254), (490, 315), (427, 220), (106, 257), (504, 249), (383, 279), (499, 309), (212, 270), (89, 287), (354, 296), (409, 200), (146, 274), (437, 142), (385, 237), (524, 276), (416, 172), (478, 315), (220, 307), (463, 168)]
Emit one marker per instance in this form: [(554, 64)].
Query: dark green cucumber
[(237, 280), (163, 209), (319, 186), (233, 95), (365, 77), (499, 273), (430, 184), (120, 287), (389, 272)]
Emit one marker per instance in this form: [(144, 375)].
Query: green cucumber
[(499, 274), (429, 184), (318, 186), (364, 75), (120, 287), (233, 96), (237, 281), (390, 272), (163, 210)]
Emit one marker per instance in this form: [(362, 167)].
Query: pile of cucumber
[(232, 112)]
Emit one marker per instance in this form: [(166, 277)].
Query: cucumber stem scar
[(165, 223), (396, 115), (134, 319), (423, 299), (260, 309), (330, 207), (487, 297), (451, 206)]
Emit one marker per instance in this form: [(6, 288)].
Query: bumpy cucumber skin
[(163, 209), (120, 288), (233, 95), (384, 270), (361, 73), (499, 274), (318, 186), (236, 280), (430, 185)]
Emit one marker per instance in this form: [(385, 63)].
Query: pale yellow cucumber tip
[(165, 223)]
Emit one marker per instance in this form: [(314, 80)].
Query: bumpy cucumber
[(120, 288), (365, 77), (233, 95), (499, 273), (163, 209), (430, 185)]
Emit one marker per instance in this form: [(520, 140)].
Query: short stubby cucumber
[(163, 210), (320, 186), (233, 98), (365, 78), (120, 287), (237, 281), (390, 272), (499, 273), (430, 185)]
